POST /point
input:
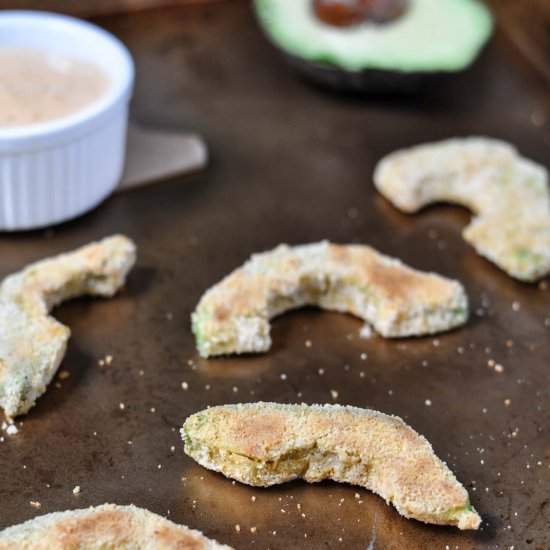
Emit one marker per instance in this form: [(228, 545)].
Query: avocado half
[(431, 39)]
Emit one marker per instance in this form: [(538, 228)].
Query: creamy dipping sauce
[(38, 86)]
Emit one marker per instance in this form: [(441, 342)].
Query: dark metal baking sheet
[(290, 163)]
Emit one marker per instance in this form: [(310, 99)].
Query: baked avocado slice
[(422, 39)]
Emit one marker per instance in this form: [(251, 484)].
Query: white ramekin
[(54, 171)]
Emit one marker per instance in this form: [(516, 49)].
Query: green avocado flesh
[(431, 36)]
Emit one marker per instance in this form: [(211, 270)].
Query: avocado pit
[(348, 13)]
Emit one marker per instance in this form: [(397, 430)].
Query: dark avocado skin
[(373, 81)]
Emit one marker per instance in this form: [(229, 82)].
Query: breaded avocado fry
[(102, 528), (32, 343), (508, 194), (233, 316), (264, 444)]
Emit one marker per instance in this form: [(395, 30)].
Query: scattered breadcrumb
[(365, 332), (308, 343), (334, 394), (238, 528), (35, 504), (64, 374), (105, 361), (76, 490), (12, 429), (185, 385)]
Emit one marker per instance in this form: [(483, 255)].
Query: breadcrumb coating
[(104, 527), (519, 246), (263, 444), (508, 194), (233, 316), (32, 343)]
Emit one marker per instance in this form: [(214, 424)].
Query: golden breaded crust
[(103, 528), (233, 316), (520, 247), (479, 173), (263, 444), (488, 177), (32, 343)]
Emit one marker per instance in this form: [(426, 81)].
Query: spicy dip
[(39, 86)]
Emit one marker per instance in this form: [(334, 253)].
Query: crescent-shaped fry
[(263, 444), (32, 343), (103, 527), (508, 194), (233, 316), (484, 175)]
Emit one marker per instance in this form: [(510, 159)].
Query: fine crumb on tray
[(105, 361), (10, 428)]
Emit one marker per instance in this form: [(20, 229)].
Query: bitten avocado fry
[(233, 316), (264, 444)]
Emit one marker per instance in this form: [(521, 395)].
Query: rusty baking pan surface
[(289, 163)]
